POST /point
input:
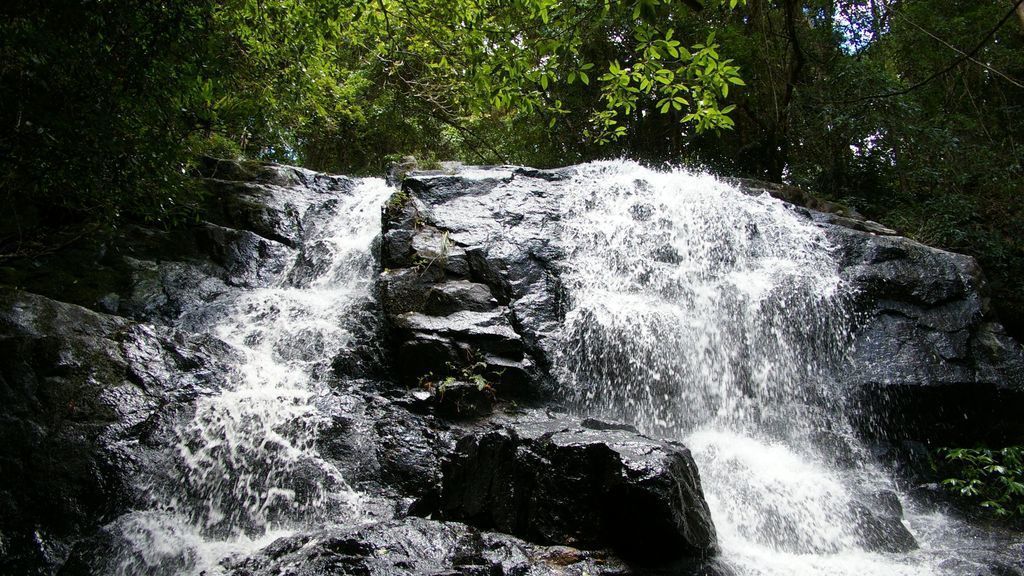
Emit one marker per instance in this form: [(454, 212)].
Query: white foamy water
[(701, 313), (245, 467)]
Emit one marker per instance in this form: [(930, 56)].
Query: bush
[(994, 479)]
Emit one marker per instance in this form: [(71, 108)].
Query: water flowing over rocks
[(929, 362), (497, 371), (82, 395), (816, 322)]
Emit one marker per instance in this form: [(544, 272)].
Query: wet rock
[(425, 355), (879, 531), (405, 290), (458, 295), (240, 253), (410, 449), (440, 346), (553, 481), (266, 173), (886, 503), (417, 546), (265, 199), (390, 449), (928, 362), (482, 331), (161, 292), (432, 247), (911, 461), (79, 390), (482, 246)]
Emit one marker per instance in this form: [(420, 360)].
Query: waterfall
[(701, 313), (692, 310), (244, 468)]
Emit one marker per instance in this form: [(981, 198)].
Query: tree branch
[(957, 61), (1017, 83)]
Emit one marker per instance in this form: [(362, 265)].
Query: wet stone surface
[(560, 481), (470, 480)]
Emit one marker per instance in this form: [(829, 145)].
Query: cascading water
[(692, 310), (244, 468), (698, 312)]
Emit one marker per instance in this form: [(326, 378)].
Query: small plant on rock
[(393, 207), (443, 250), (464, 393), (472, 373), (994, 479)]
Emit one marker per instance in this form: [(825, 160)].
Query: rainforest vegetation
[(908, 111)]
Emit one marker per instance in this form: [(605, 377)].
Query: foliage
[(475, 373), (873, 103), (908, 110), (395, 203), (80, 121), (992, 478), (108, 103), (490, 68)]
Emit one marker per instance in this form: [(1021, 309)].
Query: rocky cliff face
[(445, 419), (928, 361), (92, 393)]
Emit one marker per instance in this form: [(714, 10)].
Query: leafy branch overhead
[(116, 100), (526, 56)]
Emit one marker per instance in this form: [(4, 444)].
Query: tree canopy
[(907, 110)]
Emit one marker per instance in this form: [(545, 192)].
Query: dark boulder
[(928, 361), (458, 295), (554, 481)]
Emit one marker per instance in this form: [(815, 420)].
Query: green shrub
[(994, 479)]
